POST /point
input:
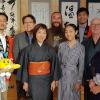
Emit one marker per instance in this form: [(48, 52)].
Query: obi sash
[(39, 68)]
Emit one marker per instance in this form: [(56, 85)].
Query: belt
[(39, 68)]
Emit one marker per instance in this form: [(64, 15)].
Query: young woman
[(40, 66), (71, 57)]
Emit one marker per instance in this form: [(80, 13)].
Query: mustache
[(56, 22)]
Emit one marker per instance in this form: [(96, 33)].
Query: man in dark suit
[(82, 19), (92, 46), (21, 41)]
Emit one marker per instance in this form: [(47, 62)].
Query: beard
[(57, 29)]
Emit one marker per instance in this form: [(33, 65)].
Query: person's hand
[(96, 89), (56, 83), (25, 86), (91, 84), (53, 85), (1, 56), (77, 86)]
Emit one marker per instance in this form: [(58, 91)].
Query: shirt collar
[(83, 26)]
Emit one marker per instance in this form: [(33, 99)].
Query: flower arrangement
[(6, 68)]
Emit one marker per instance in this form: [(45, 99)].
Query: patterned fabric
[(72, 65), (1, 46), (3, 85), (5, 54)]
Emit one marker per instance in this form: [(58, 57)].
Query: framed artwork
[(41, 11), (10, 7), (94, 9), (68, 10)]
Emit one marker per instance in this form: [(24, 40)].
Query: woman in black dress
[(40, 66)]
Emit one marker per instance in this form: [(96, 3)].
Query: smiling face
[(56, 19), (70, 33), (3, 23), (28, 24), (95, 27), (82, 17), (41, 35)]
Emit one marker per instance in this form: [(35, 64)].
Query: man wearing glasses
[(92, 46), (22, 40)]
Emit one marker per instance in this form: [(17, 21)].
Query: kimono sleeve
[(16, 49), (20, 70), (59, 54), (81, 64), (24, 62), (56, 71)]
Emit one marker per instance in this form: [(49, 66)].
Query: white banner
[(10, 8), (94, 11), (41, 12), (69, 10)]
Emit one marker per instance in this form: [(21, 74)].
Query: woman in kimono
[(94, 82), (40, 66), (71, 57)]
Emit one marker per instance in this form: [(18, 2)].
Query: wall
[(54, 7)]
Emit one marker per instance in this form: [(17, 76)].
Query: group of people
[(64, 57)]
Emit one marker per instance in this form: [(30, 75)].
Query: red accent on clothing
[(89, 33), (10, 50)]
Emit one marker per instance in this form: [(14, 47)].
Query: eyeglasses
[(95, 25), (28, 22), (3, 21)]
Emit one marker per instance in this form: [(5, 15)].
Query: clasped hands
[(95, 89)]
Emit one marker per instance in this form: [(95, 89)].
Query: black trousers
[(87, 94)]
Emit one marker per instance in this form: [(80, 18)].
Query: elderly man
[(92, 46)]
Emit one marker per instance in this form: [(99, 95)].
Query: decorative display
[(10, 8), (41, 12), (6, 68), (68, 10), (94, 11)]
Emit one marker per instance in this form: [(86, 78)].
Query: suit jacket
[(90, 50), (20, 42), (87, 33)]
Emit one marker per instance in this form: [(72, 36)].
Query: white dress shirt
[(3, 40)]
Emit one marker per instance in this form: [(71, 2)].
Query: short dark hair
[(30, 16), (66, 23), (37, 27), (72, 25), (4, 14), (82, 9)]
